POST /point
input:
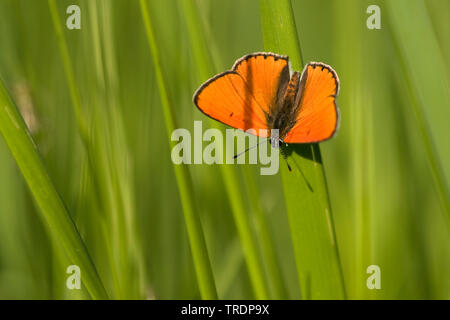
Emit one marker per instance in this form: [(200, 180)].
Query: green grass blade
[(279, 30), (24, 151), (347, 21), (417, 44), (265, 238), (305, 188), (235, 192), (245, 233), (114, 177), (68, 69), (198, 246), (98, 152)]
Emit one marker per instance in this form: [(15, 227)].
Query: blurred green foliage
[(120, 186)]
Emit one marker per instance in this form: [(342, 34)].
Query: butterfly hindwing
[(317, 117)]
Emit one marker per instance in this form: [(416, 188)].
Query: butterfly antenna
[(249, 148), (289, 167)]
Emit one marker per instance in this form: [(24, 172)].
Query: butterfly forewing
[(264, 73)]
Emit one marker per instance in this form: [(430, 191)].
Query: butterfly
[(259, 92)]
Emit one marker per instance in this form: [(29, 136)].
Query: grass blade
[(108, 141), (235, 192), (417, 43), (265, 238), (22, 147), (68, 69), (305, 188), (105, 137), (198, 246)]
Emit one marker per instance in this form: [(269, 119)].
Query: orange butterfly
[(259, 93)]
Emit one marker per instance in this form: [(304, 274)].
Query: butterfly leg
[(283, 152)]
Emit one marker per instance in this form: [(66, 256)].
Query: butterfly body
[(260, 93), (282, 116)]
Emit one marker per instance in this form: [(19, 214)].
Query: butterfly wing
[(266, 75), (318, 116), (242, 97)]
